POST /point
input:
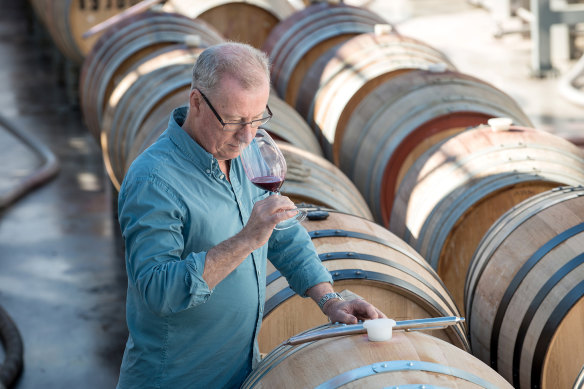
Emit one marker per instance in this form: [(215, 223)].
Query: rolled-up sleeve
[(294, 255), (151, 218)]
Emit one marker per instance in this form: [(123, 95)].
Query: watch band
[(327, 297)]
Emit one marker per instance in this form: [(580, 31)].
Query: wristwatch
[(327, 297)]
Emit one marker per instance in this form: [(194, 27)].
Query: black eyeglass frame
[(252, 123)]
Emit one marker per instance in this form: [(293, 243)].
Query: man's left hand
[(350, 312)]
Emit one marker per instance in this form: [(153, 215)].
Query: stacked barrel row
[(410, 131), (459, 195), (71, 23), (66, 21), (379, 131), (366, 259), (525, 288), (124, 82)]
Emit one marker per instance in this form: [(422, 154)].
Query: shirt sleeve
[(292, 252), (151, 218)]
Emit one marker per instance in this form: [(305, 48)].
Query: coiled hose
[(12, 342)]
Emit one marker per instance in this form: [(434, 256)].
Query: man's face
[(233, 104)]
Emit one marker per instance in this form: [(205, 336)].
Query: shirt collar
[(187, 145)]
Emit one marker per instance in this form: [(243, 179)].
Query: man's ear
[(194, 100)]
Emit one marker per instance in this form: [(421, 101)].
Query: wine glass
[(265, 166)]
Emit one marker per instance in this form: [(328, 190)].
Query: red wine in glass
[(270, 183)]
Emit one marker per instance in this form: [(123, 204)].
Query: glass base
[(299, 217)]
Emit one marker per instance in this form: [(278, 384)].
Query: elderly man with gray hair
[(198, 233)]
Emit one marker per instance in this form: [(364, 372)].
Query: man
[(198, 233)]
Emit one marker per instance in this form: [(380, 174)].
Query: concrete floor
[(62, 276), (466, 34)]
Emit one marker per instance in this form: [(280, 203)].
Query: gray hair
[(245, 63)]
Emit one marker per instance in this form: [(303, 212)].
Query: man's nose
[(246, 134)]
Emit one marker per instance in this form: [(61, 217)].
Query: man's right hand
[(227, 255), (265, 215)]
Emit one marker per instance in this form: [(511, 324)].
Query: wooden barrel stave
[(171, 33), (375, 144), (123, 48), (155, 124), (371, 262), (457, 190), (121, 151), (68, 20), (133, 109), (299, 40), (353, 361), (249, 21), (108, 94), (122, 121), (148, 113), (346, 73), (80, 21), (525, 316), (241, 22), (280, 8)]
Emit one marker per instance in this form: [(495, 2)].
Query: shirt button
[(222, 176), (208, 171)]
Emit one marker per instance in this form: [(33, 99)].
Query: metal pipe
[(353, 329), (566, 83)]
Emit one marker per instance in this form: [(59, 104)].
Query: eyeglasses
[(235, 126)]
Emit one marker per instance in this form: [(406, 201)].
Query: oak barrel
[(123, 121), (67, 20), (369, 261), (314, 180), (300, 39), (525, 291), (455, 191), (249, 21), (407, 360), (154, 125), (133, 47), (401, 118), (337, 82)]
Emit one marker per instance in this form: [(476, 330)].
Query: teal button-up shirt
[(174, 205)]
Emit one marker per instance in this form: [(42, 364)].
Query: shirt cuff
[(198, 288)]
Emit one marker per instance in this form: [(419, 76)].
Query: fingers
[(368, 311), (274, 204), (340, 316), (275, 209), (350, 312), (280, 202), (265, 215)]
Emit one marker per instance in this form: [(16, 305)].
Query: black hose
[(12, 342)]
